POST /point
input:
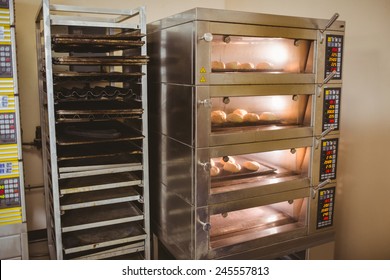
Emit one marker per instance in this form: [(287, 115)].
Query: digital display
[(333, 55), (328, 159), (325, 209), (7, 128), (5, 61), (9, 192), (331, 110)]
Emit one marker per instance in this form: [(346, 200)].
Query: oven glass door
[(261, 54), (274, 112), (248, 224)]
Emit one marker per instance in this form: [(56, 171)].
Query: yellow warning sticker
[(202, 70), (202, 79)]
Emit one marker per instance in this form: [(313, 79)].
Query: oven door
[(253, 113), (251, 195), (253, 54)]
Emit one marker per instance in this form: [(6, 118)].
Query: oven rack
[(100, 182), (92, 86), (101, 60), (62, 94)]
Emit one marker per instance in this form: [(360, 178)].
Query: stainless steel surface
[(94, 126), (314, 189), (192, 90)]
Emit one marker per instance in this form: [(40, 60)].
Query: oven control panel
[(9, 192), (328, 161), (333, 55), (325, 207), (4, 4), (331, 109), (5, 61), (7, 128)]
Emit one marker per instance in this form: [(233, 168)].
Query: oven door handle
[(206, 226), (329, 24), (315, 189), (327, 79)]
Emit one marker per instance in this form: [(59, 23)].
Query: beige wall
[(362, 216)]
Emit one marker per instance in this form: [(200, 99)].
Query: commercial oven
[(244, 122)]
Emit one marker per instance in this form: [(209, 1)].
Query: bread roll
[(247, 66), (264, 66), (218, 117), (268, 116), (214, 171), (235, 118), (251, 165), (232, 167), (212, 162), (230, 159), (251, 117), (233, 65), (241, 112), (217, 65)]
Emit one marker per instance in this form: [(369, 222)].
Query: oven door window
[(257, 54), (235, 173), (257, 222), (231, 114)]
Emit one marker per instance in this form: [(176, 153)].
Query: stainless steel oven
[(244, 121)]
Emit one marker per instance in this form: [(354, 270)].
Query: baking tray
[(100, 182), (100, 197), (243, 173), (100, 215), (102, 60), (247, 70), (106, 236), (67, 76), (78, 111), (98, 150), (62, 94), (96, 132), (228, 125), (95, 43)]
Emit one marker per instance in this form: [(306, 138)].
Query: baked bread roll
[(235, 118), (233, 65), (218, 117), (268, 116), (214, 171), (232, 167), (251, 165), (264, 66), (251, 117), (217, 65), (242, 112), (247, 66), (230, 159)]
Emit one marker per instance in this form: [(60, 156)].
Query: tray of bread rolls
[(239, 167), (241, 117), (236, 66)]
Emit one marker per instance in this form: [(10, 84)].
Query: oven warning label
[(325, 207)]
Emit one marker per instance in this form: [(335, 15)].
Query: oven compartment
[(184, 113), (255, 222), (254, 54), (245, 114), (258, 169)]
